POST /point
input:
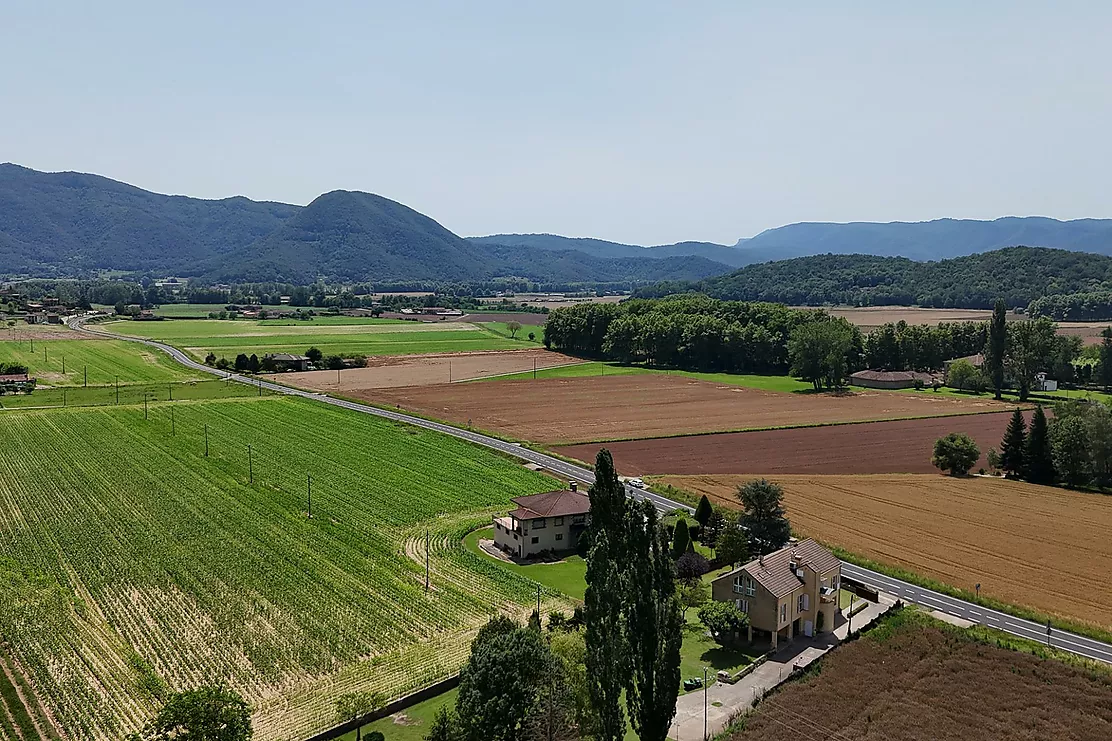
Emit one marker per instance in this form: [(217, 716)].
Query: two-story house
[(552, 522), (790, 591)]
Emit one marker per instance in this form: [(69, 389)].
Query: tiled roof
[(551, 504), (287, 357), (882, 375), (14, 377), (774, 571)]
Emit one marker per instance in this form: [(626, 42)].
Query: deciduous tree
[(956, 453), (763, 518), (445, 727), (960, 375), (1070, 445), (724, 621), (732, 546), (513, 326), (692, 593), (1030, 350), (204, 714)]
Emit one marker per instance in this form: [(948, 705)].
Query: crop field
[(200, 310), (132, 563), (902, 446), (66, 362), (129, 394), (915, 679), (529, 321), (332, 335), (422, 370), (651, 405), (20, 331), (1035, 546), (868, 317)]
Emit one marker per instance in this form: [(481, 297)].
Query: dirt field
[(1089, 332), (1039, 546), (422, 370), (23, 331), (876, 447), (565, 410), (557, 300), (918, 680), (525, 318), (868, 317)]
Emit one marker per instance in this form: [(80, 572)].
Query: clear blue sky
[(643, 122)]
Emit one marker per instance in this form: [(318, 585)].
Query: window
[(559, 536), (745, 585), (738, 589), (742, 604), (750, 587), (804, 603), (783, 612), (578, 519), (536, 540), (538, 524), (557, 522)]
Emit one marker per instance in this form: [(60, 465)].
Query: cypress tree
[(1104, 369), (1013, 448), (654, 627), (681, 539), (607, 660), (703, 511), (1040, 455), (997, 342)]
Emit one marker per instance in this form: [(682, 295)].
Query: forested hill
[(1017, 274), (74, 225), (728, 255)]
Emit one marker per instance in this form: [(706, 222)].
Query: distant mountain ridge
[(602, 248), (70, 224)]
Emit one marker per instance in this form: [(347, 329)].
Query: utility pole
[(206, 441), (63, 365), (337, 378), (538, 601), (117, 390), (86, 376), (704, 703), (63, 396), (449, 370), (309, 483), (173, 427), (849, 618), (426, 559), (170, 389), (534, 369), (144, 405), (250, 467)]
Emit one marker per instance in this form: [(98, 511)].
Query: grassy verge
[(1083, 629), (411, 724), (567, 576)]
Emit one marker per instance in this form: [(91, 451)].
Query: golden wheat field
[(1042, 547)]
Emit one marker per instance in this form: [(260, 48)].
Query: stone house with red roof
[(548, 522)]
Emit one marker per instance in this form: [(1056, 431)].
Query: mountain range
[(73, 224)]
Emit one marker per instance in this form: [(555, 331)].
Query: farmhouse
[(552, 521), (882, 379), (789, 591), (285, 361), (977, 361)]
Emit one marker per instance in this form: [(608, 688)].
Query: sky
[(641, 122)]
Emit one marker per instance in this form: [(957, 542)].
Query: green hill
[(1017, 274)]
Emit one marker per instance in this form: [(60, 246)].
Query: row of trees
[(1088, 306), (920, 347), (1019, 351), (690, 332), (1073, 450)]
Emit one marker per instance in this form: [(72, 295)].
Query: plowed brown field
[(566, 410), (902, 446), (1037, 546), (389, 371)]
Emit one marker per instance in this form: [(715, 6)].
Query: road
[(906, 591)]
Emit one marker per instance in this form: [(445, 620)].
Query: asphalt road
[(1062, 640)]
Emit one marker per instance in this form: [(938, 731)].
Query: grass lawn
[(66, 362), (567, 576), (332, 335), (415, 723), (699, 650), (198, 310), (596, 368)]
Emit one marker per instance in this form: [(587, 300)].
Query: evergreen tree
[(996, 346), (1040, 456), (681, 539), (1013, 448), (764, 519), (445, 727), (607, 656), (654, 627), (703, 511)]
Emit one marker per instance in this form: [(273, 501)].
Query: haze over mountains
[(73, 224)]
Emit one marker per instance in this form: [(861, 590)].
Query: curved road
[(906, 591)]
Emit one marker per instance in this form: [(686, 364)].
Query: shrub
[(723, 620), (955, 453), (691, 565)]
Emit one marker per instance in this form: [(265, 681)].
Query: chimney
[(574, 485)]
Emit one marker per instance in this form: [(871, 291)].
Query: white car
[(637, 483)]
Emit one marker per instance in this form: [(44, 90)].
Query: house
[(11, 383), (286, 362), (552, 521), (883, 379), (790, 591), (35, 318), (977, 361)]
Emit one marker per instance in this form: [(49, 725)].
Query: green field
[(102, 360), (332, 335), (128, 394), (522, 334), (197, 310), (595, 368), (131, 563)]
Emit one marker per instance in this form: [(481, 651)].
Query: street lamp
[(704, 703)]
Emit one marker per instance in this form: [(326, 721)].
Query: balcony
[(828, 595)]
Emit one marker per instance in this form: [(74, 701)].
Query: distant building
[(882, 379), (552, 521), (977, 361), (287, 362), (36, 317), (787, 592)]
